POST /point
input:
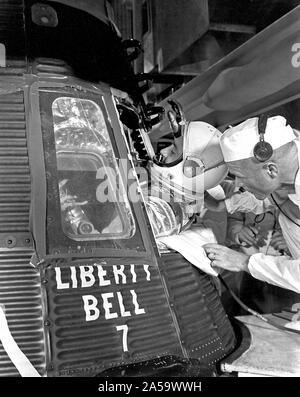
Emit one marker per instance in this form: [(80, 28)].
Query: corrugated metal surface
[(14, 166), (20, 293), (80, 347), (205, 329), (56, 67)]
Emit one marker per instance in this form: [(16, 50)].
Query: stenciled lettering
[(86, 276), (90, 307), (110, 305), (101, 274), (59, 283)]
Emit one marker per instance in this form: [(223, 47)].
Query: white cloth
[(189, 245), (280, 270), (246, 202), (238, 142)]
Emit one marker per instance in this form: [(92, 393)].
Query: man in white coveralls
[(277, 178)]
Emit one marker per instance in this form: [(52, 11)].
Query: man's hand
[(226, 258), (247, 235), (278, 242)]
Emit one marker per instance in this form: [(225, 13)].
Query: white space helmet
[(201, 166)]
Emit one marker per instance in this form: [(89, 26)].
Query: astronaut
[(182, 172)]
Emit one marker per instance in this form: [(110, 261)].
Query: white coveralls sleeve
[(276, 270), (280, 270)]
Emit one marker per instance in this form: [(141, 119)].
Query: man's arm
[(277, 270)]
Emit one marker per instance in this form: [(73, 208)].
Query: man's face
[(254, 177)]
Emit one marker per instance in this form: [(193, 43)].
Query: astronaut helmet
[(199, 165)]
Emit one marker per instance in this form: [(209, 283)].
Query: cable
[(277, 205), (254, 313), (259, 218)]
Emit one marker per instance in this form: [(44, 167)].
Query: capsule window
[(93, 200)]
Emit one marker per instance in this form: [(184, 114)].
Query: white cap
[(237, 143)]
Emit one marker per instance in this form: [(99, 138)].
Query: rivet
[(10, 241)]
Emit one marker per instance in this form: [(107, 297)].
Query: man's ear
[(272, 169)]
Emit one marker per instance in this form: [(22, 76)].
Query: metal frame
[(39, 175)]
